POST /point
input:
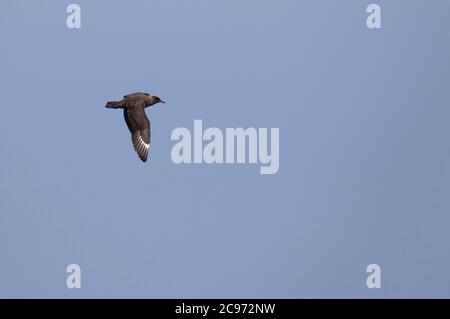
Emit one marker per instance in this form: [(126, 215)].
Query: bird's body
[(133, 106)]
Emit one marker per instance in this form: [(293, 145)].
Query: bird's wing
[(135, 94), (139, 126)]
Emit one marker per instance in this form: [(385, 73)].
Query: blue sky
[(364, 149)]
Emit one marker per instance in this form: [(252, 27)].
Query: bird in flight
[(133, 106)]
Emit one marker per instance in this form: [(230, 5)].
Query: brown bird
[(133, 106)]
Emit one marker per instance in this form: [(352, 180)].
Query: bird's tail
[(114, 105)]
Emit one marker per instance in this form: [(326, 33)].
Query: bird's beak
[(162, 101)]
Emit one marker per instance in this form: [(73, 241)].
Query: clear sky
[(364, 173)]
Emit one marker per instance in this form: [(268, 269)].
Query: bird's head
[(156, 99)]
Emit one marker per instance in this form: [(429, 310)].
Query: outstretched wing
[(139, 126)]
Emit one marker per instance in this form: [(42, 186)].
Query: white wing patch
[(140, 146)]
